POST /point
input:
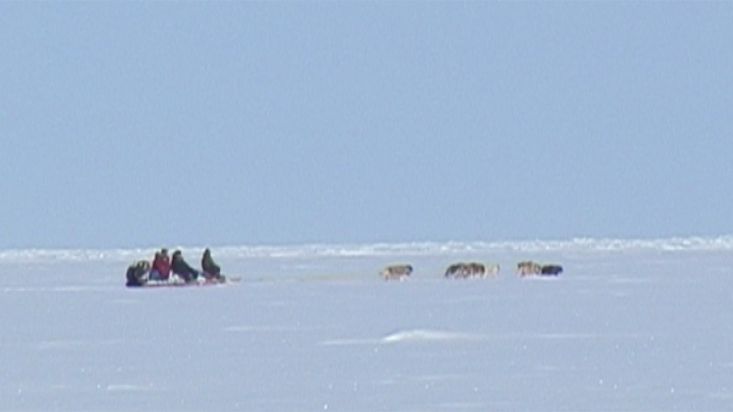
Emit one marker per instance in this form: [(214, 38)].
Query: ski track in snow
[(128, 387), (422, 335)]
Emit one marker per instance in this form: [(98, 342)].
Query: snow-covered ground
[(629, 326)]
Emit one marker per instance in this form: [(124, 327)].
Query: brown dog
[(471, 270)]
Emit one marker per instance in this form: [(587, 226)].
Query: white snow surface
[(631, 325)]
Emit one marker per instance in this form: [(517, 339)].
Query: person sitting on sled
[(211, 270), (183, 269), (137, 273), (161, 266)]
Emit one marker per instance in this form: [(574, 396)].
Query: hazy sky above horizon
[(152, 123)]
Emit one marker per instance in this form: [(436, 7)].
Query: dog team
[(473, 270)]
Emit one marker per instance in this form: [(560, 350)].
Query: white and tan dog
[(396, 272), (528, 268)]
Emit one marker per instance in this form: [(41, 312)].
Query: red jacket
[(162, 265)]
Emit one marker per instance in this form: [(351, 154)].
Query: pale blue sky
[(156, 123)]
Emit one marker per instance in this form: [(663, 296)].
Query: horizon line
[(407, 248)]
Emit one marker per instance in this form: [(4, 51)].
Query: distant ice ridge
[(411, 249)]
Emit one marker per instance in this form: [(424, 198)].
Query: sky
[(126, 124)]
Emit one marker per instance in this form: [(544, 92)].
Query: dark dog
[(551, 270)]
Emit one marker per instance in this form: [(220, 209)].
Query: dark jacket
[(181, 268), (208, 265), (137, 273)]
